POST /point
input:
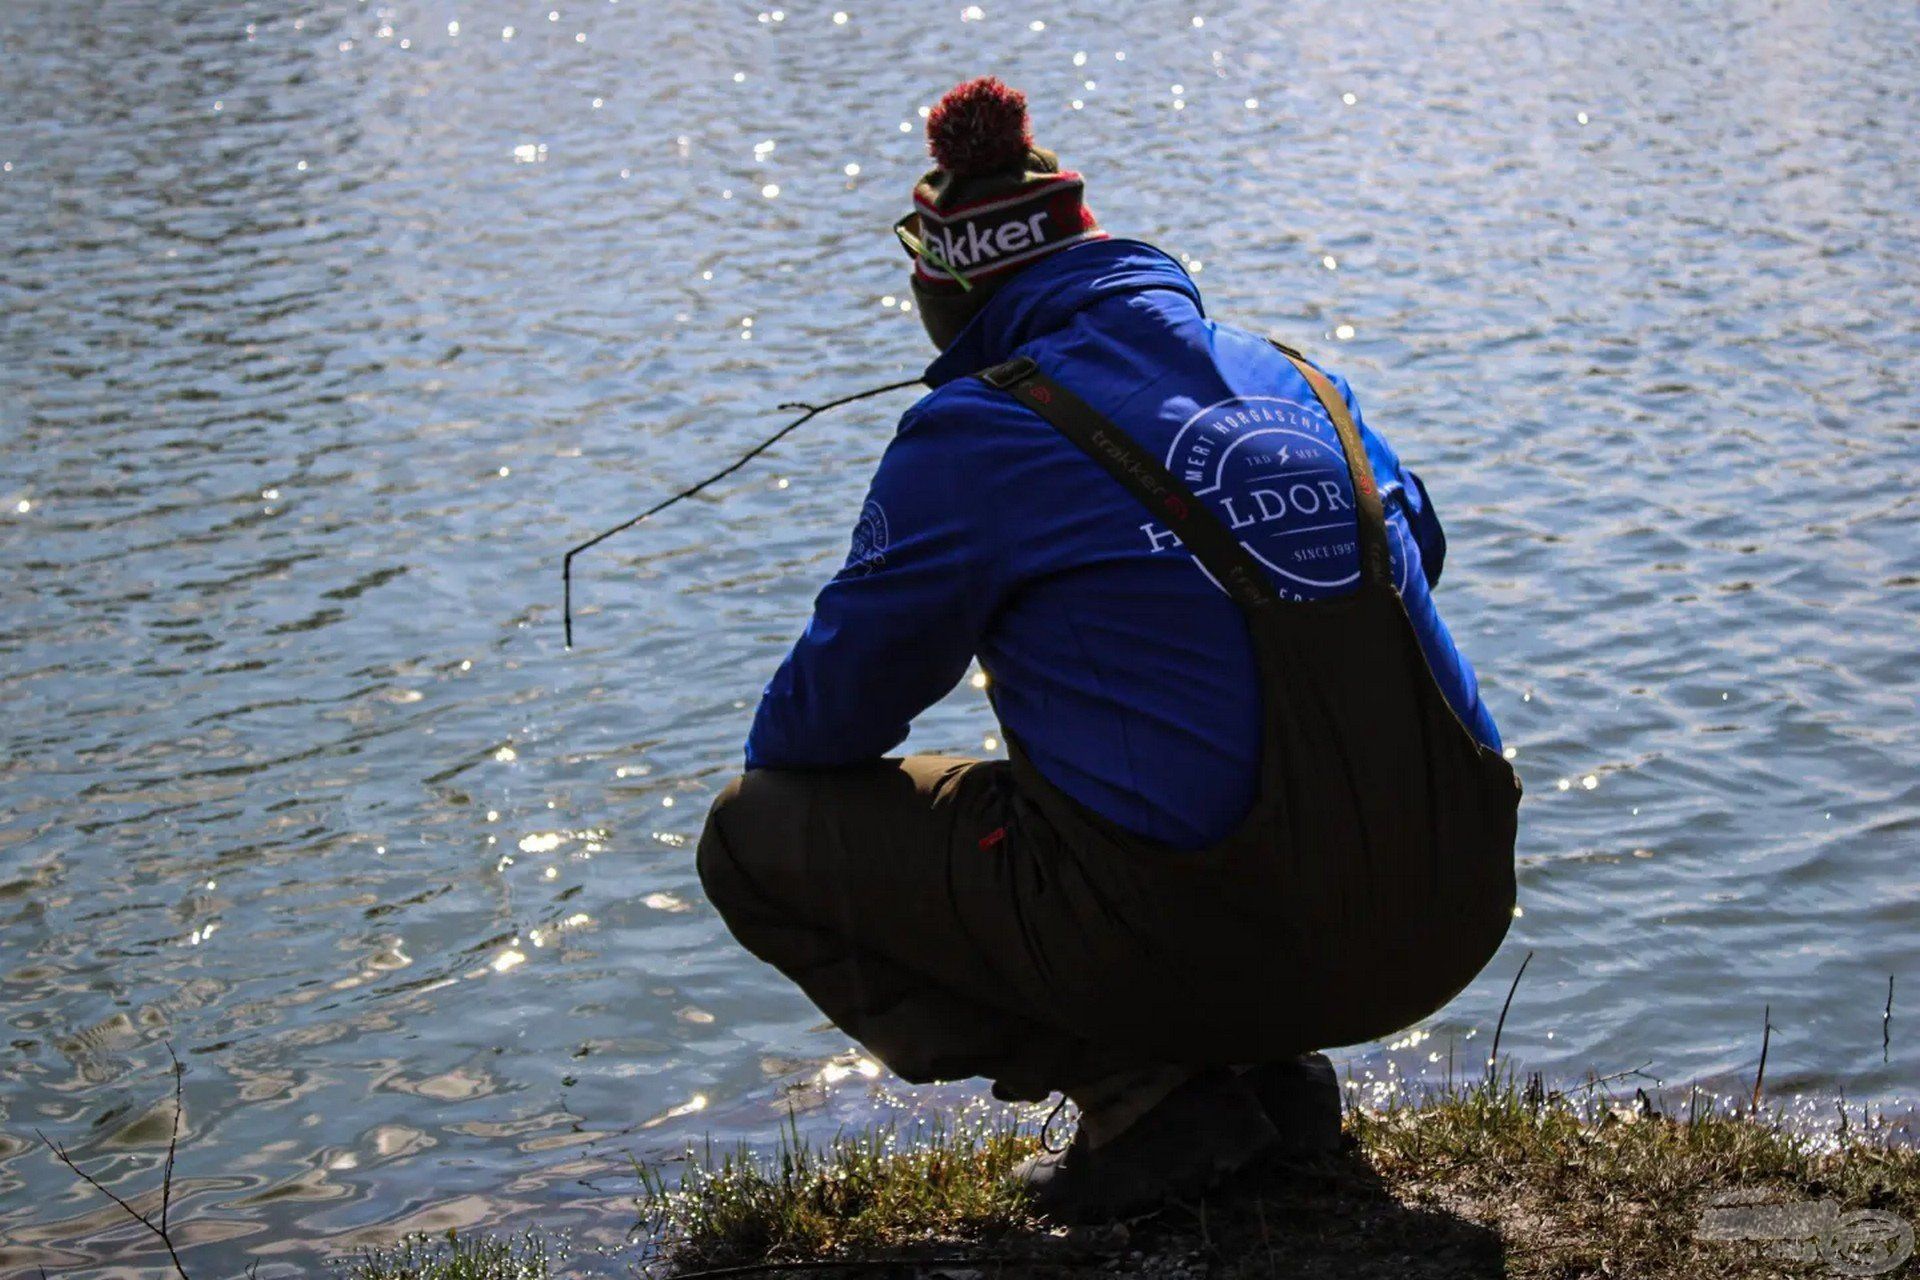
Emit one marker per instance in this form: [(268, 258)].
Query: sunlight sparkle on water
[(835, 1072), (698, 1102)]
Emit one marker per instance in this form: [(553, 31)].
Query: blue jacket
[(1126, 674)]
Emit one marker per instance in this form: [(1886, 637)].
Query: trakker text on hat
[(993, 203)]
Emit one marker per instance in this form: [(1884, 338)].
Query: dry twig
[(159, 1228), (1493, 1058), (566, 562), (1886, 1023)]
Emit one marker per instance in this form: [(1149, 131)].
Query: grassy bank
[(1496, 1181)]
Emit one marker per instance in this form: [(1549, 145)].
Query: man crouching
[(1253, 805)]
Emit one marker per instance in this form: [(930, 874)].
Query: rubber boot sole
[(1205, 1131), (1301, 1099)]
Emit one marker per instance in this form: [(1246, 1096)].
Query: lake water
[(327, 327)]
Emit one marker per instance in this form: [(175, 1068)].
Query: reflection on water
[(327, 328)]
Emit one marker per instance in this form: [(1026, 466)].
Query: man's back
[(1122, 670)]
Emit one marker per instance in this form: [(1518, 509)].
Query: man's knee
[(751, 825)]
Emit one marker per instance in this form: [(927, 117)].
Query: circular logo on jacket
[(1273, 471), (869, 551)]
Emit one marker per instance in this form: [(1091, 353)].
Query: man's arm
[(1425, 523), (895, 628)]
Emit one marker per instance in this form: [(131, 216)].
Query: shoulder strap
[(1202, 533), (1375, 561), (1143, 475)]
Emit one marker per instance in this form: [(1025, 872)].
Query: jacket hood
[(1046, 295)]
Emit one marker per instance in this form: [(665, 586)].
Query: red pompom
[(979, 127)]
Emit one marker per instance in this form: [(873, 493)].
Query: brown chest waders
[(1373, 877)]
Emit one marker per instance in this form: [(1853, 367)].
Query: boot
[(1301, 1099), (1128, 1159)]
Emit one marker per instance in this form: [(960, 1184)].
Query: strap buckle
[(1003, 376)]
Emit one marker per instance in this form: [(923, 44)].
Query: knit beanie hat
[(993, 203)]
